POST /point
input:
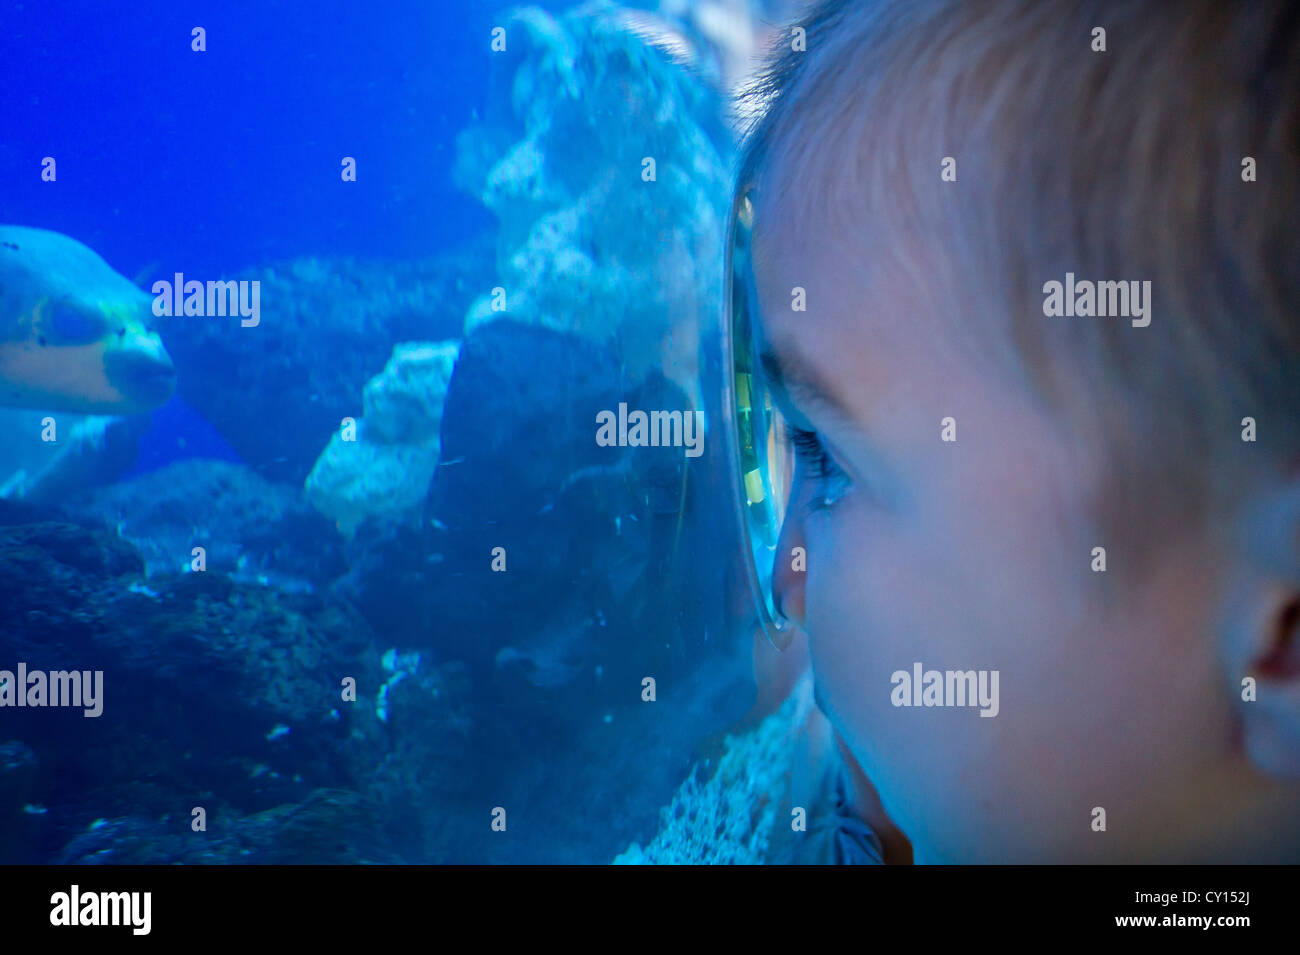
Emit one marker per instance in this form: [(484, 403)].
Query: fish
[(75, 335)]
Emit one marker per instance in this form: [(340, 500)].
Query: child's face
[(977, 554)]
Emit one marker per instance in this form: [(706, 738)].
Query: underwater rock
[(607, 166), (382, 464), (329, 827), (183, 653), (250, 528), (390, 568), (68, 548), (582, 528), (521, 470), (277, 392), (214, 693), (519, 420), (17, 774)]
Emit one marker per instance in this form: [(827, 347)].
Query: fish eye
[(73, 325)]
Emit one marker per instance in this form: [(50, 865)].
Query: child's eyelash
[(832, 480), (809, 448)]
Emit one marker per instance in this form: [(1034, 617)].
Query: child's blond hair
[(1132, 162)]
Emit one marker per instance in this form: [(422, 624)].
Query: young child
[(1027, 279)]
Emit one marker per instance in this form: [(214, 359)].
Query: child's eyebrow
[(793, 376)]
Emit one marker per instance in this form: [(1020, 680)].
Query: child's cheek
[(858, 588)]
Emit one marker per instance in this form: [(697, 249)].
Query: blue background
[(171, 160)]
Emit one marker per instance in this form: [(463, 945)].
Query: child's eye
[(831, 481)]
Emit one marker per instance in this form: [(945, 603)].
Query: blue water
[(209, 163), (474, 688), (213, 162), (191, 560)]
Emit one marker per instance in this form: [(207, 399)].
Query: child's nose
[(789, 568)]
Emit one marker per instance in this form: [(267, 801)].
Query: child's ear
[(1272, 719), (1263, 654)]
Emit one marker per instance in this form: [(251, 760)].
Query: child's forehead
[(810, 196), (799, 248), (789, 229), (857, 306)]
